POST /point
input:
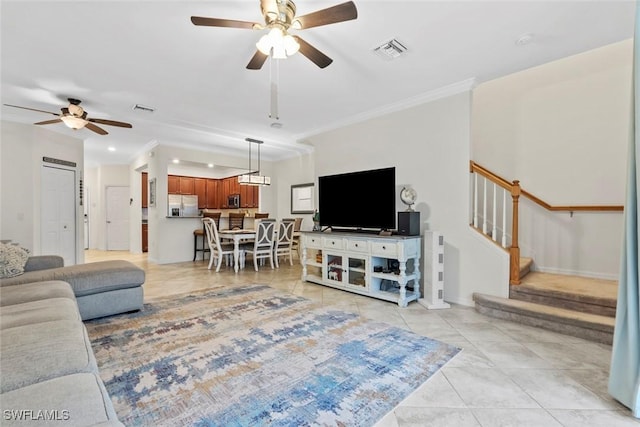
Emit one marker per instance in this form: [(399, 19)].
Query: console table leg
[(402, 281)]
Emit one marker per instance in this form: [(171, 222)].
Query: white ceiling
[(114, 54)]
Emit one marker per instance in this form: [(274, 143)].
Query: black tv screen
[(358, 200)]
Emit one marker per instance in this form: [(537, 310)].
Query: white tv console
[(360, 263)]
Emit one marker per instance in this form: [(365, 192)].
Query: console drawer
[(361, 246), (313, 242), (384, 249), (332, 243)]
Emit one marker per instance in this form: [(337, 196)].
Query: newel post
[(514, 250)]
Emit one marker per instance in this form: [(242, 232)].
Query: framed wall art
[(152, 192), (302, 199)]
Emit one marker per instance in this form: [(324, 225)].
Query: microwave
[(233, 202)]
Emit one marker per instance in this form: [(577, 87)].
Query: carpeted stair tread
[(607, 290), (561, 315), (595, 296), (525, 266)]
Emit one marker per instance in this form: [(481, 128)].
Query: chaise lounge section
[(101, 288)]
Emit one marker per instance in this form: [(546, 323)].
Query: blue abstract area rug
[(255, 356)]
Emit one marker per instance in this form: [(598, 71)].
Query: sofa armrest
[(43, 262)]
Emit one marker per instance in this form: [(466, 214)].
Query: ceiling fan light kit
[(74, 122), (278, 44)]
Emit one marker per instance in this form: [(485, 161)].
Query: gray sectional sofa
[(101, 288), (49, 374)]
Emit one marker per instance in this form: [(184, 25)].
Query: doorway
[(117, 218), (58, 213)]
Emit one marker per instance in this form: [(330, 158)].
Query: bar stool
[(261, 215), (200, 232)]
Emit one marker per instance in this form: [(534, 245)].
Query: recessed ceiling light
[(276, 125), (111, 148), (210, 165), (524, 39), (176, 161)]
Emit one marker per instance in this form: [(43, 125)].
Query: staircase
[(578, 306)]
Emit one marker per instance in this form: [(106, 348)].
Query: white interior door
[(117, 218), (58, 213)]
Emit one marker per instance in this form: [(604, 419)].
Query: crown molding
[(423, 98)]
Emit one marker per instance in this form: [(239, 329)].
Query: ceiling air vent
[(144, 108), (390, 50)]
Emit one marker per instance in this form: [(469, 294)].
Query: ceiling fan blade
[(48, 122), (110, 123), (32, 109), (96, 129), (216, 22), (257, 61), (331, 15), (317, 57)]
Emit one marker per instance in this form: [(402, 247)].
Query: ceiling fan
[(75, 118), (279, 17)]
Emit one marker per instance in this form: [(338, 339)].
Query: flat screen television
[(364, 200)]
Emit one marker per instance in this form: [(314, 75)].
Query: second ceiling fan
[(279, 17)]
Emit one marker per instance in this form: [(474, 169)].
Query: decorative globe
[(408, 197)]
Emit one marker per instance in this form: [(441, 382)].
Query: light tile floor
[(507, 374)]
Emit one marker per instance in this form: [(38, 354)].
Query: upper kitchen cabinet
[(200, 190), (248, 196), (213, 194), (173, 184), (145, 189), (187, 185)]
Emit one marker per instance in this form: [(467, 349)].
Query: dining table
[(237, 235)]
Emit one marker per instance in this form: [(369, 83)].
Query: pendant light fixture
[(254, 177)]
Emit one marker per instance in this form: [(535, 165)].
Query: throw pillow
[(12, 260)]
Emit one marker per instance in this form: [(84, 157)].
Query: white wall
[(562, 130), (429, 146), (23, 147), (293, 171)]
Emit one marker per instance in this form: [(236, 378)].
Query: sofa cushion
[(76, 399), (87, 279), (29, 313), (10, 295), (41, 351), (12, 260)]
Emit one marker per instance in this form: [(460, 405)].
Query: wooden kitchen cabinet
[(145, 189), (248, 196), (213, 194), (145, 238), (200, 190), (173, 184), (224, 194), (187, 185), (234, 186)]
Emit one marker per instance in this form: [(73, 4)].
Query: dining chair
[(262, 247), (200, 232), (217, 249), (295, 244), (282, 246), (236, 220)]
